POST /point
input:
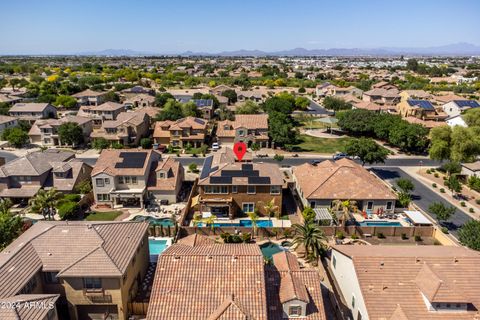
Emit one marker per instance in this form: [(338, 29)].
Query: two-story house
[(94, 269), (89, 97), (420, 109), (235, 189), (126, 178), (45, 132), (179, 133), (205, 106), (382, 96), (248, 128), (99, 113), (128, 129), (21, 178), (456, 107), (140, 100), (7, 122), (32, 111)]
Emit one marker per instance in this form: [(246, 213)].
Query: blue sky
[(69, 26)]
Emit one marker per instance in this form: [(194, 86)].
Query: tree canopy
[(367, 150), (70, 133), (469, 234)]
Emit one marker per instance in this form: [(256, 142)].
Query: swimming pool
[(247, 223), (269, 249), (164, 222), (379, 223), (156, 247)]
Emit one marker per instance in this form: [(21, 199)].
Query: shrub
[(435, 175), (471, 210), (462, 203), (340, 235), (72, 197), (380, 235), (354, 237), (246, 237), (418, 238), (67, 209), (477, 201), (278, 157), (428, 171), (442, 190), (434, 185), (84, 187), (146, 143), (436, 243), (444, 230), (192, 167), (404, 236)]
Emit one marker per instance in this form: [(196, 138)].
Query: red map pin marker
[(240, 149)]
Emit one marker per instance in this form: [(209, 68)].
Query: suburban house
[(126, 178), (232, 282), (421, 109), (21, 178), (10, 100), (45, 132), (245, 95), (140, 100), (19, 307), (180, 133), (248, 128), (446, 98), (106, 111), (220, 89), (136, 90), (384, 85), (415, 94), (128, 128), (91, 270), (332, 90), (7, 122), (205, 106), (319, 185), (235, 189), (471, 169), (372, 106), (32, 111), (382, 96), (456, 121), (456, 107), (89, 97), (407, 282)]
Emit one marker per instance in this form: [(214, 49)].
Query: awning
[(417, 217), (195, 201), (322, 214)]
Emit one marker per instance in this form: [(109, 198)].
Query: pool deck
[(375, 218), (168, 239), (276, 223)]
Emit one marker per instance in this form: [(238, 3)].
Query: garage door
[(103, 312)]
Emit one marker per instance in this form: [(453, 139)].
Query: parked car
[(262, 155), (315, 162), (215, 146), (340, 155)]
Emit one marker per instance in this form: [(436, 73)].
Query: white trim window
[(99, 182), (234, 189), (103, 197), (275, 189), (389, 205), (251, 190), (248, 207)]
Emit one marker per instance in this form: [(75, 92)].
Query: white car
[(215, 146)]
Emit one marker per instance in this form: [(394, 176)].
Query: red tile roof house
[(126, 178), (45, 132), (21, 178), (94, 267), (407, 282), (249, 128), (89, 97), (189, 130), (100, 113), (197, 278), (317, 186)]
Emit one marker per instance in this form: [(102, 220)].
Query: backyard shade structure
[(322, 214), (328, 121), (417, 218)]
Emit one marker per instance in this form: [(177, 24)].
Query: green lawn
[(103, 216), (321, 145)]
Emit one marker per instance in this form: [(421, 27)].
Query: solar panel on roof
[(220, 180), (259, 180), (424, 104), (467, 103), (200, 121), (247, 166), (131, 160), (207, 167)]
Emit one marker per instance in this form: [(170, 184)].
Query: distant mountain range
[(457, 49)]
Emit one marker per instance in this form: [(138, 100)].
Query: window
[(51, 277), (107, 181), (369, 205), (161, 175), (126, 179), (103, 197), (234, 189), (92, 283), (334, 262), (120, 180), (134, 180), (295, 311), (99, 182), (353, 302), (275, 189), (216, 189), (248, 207), (389, 205), (312, 204), (251, 190)]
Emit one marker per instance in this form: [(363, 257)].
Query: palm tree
[(45, 202), (345, 207), (271, 209), (311, 237), (210, 221), (254, 217)]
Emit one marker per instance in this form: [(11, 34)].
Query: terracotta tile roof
[(110, 157), (6, 119), (105, 250), (341, 179), (248, 121), (268, 170), (133, 118), (425, 123), (393, 277), (172, 168), (291, 288), (27, 306), (189, 122), (88, 93), (199, 283), (196, 240), (372, 106)]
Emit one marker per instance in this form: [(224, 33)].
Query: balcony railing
[(97, 295)]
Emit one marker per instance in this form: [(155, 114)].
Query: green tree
[(231, 95), (367, 150), (311, 237), (68, 209), (10, 226), (84, 186), (409, 137), (146, 143), (404, 199), (45, 202), (469, 234), (302, 103), (406, 185), (472, 117), (65, 101), (440, 145), (15, 136), (308, 214), (465, 144), (172, 110), (249, 107), (345, 207), (336, 104), (70, 133), (412, 64), (281, 129), (441, 211), (100, 143), (162, 98), (192, 167), (190, 109), (111, 96), (453, 184)]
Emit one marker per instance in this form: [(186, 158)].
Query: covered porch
[(220, 208), (131, 198)]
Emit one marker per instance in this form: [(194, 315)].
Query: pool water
[(269, 249), (156, 247), (247, 223), (379, 224), (164, 222)]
